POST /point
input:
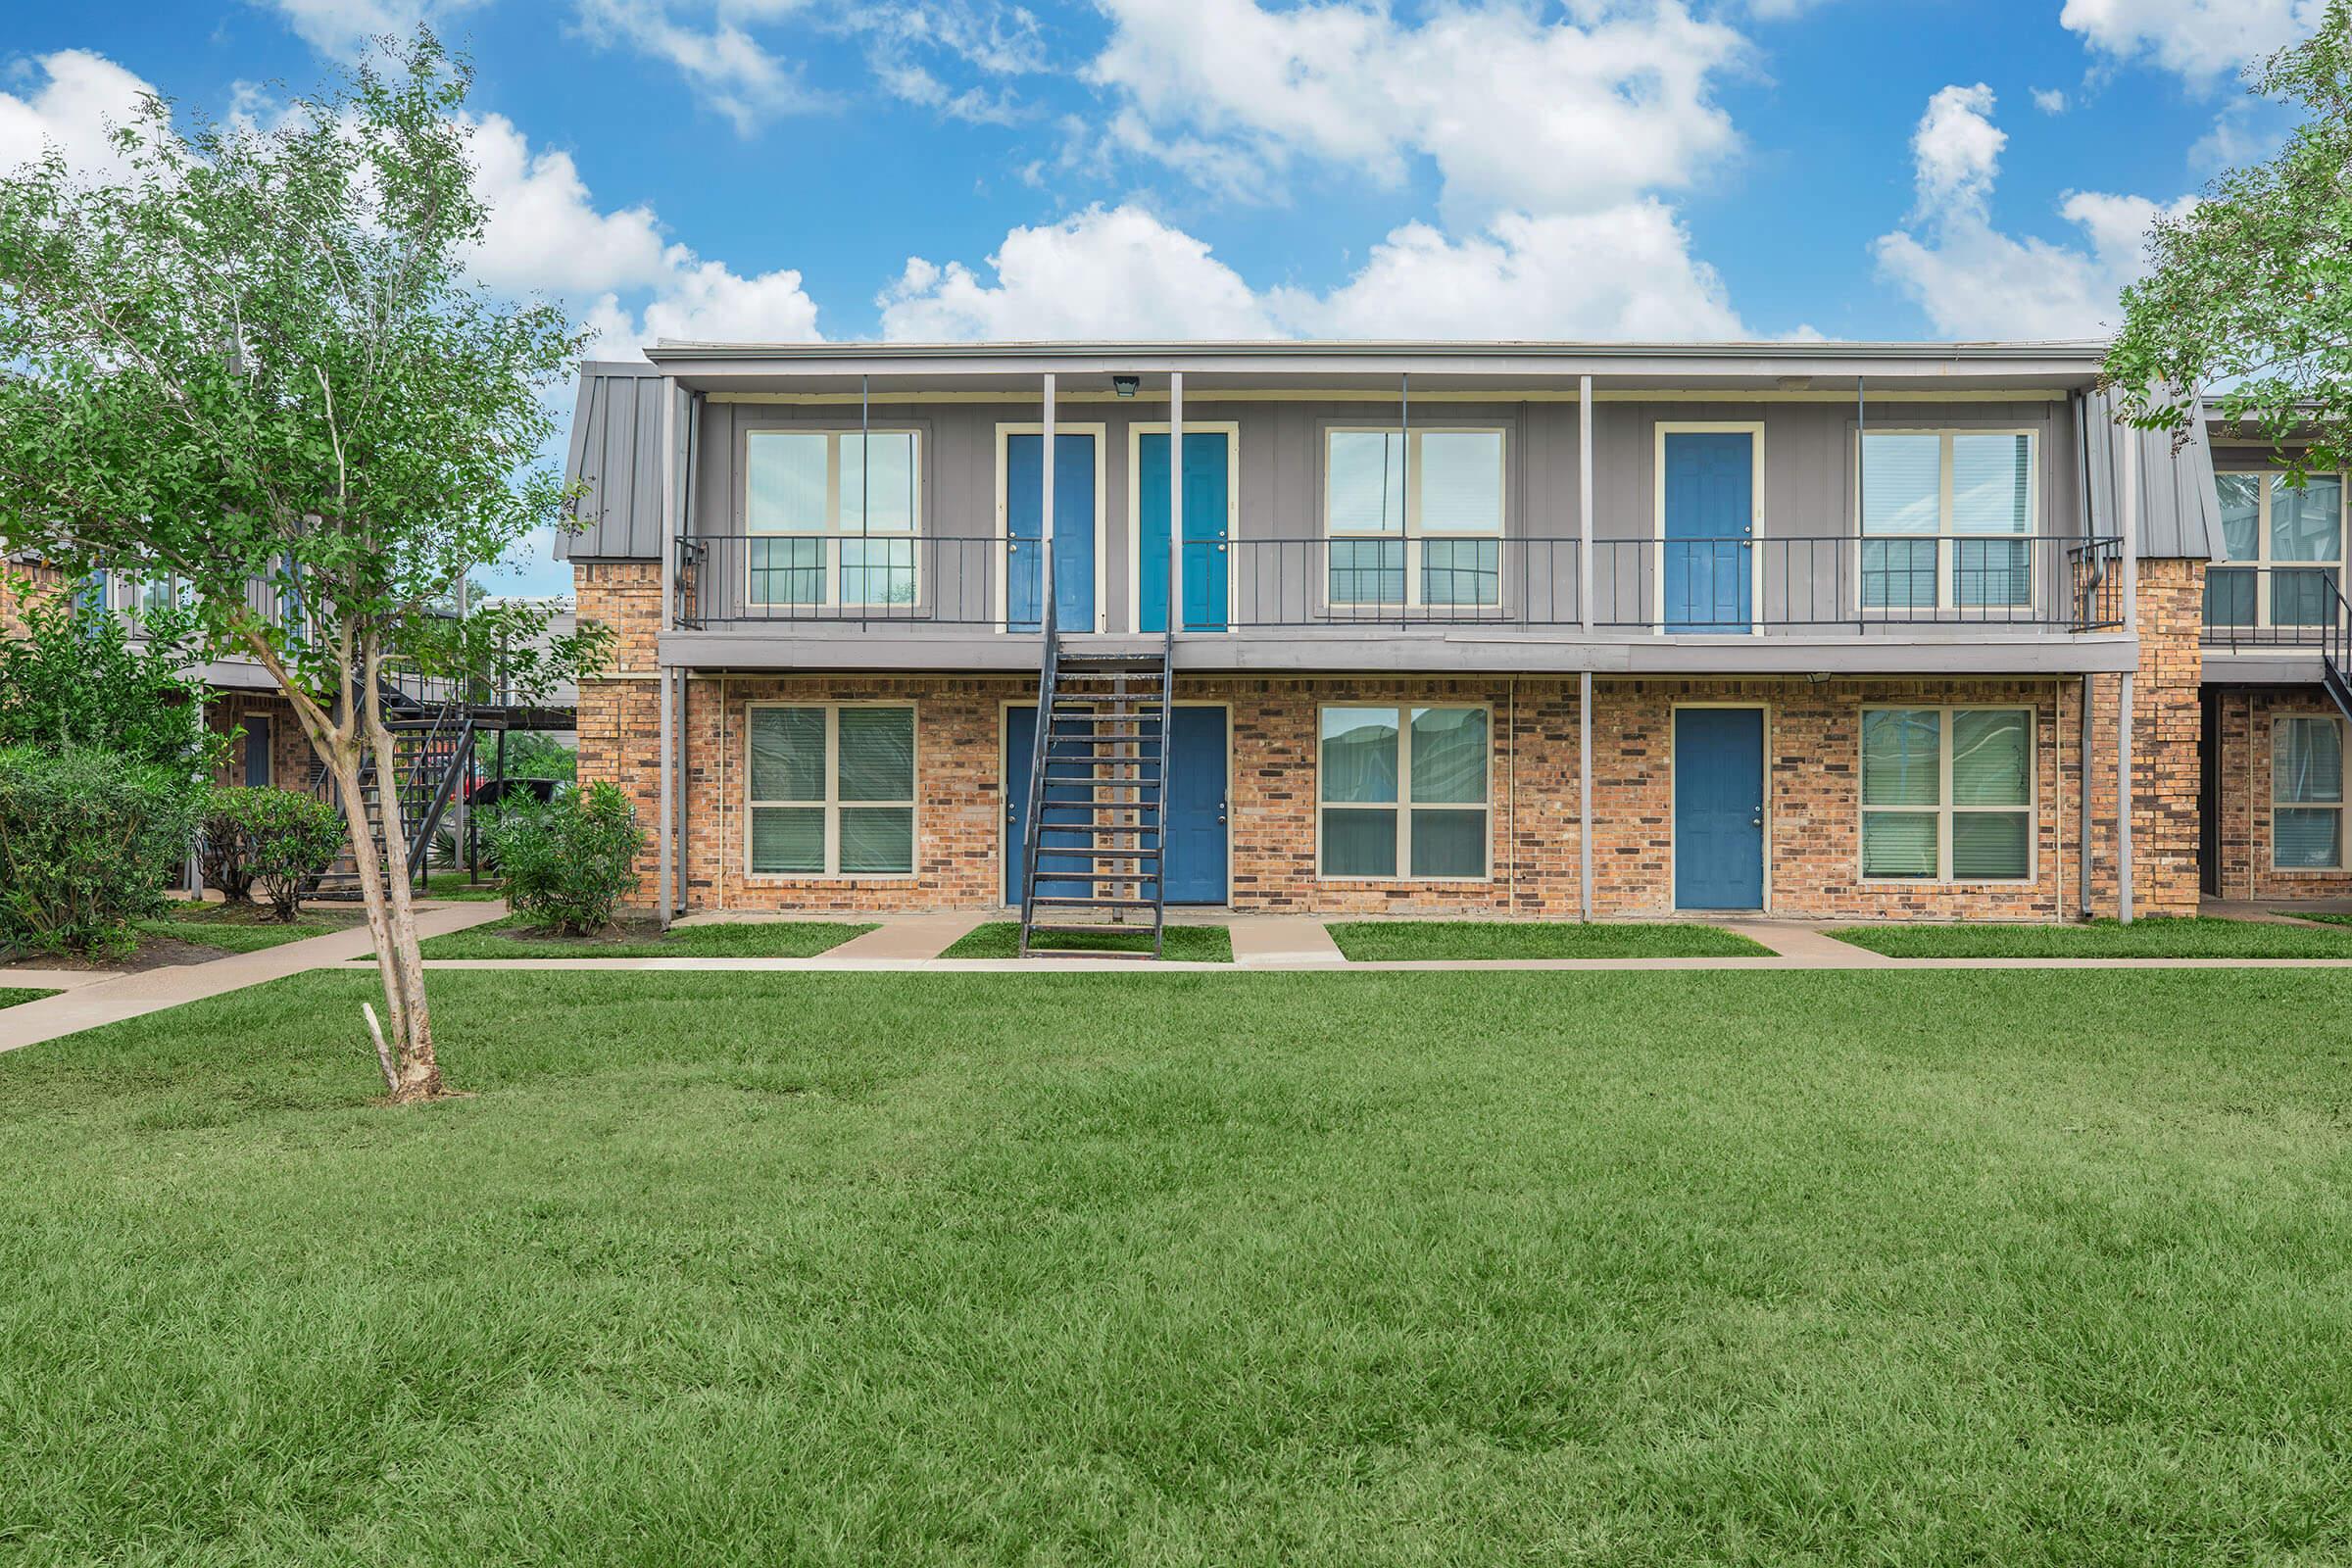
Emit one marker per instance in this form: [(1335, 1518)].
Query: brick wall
[(2248, 715), (291, 758), (2165, 713), (620, 712)]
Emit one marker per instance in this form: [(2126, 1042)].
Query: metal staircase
[(1093, 853), (2335, 643), (433, 750)]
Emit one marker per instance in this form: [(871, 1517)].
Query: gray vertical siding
[(2179, 508), (615, 457)]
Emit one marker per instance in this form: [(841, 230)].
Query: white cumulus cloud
[(79, 96), (1975, 281), (2199, 39), (345, 28)]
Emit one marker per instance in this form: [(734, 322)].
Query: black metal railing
[(2270, 606), (1819, 584)]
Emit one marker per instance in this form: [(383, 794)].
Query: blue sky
[(980, 169)]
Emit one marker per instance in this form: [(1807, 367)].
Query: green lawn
[(11, 996), (1148, 1268), (452, 885), (241, 927), (517, 937), (1001, 939), (1400, 941), (2198, 938)]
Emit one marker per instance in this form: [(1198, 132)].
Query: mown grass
[(516, 936), (2197, 937), (452, 885), (241, 927), (1405, 941), (14, 996), (1001, 939), (1151, 1268)]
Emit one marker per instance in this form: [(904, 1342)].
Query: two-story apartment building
[(1820, 629)]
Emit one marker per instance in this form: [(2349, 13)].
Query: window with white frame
[(1402, 792), (1947, 519), (1413, 520), (2270, 531), (1948, 793), (2307, 794), (833, 514), (831, 789)]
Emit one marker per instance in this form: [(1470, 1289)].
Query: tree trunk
[(420, 1072), (344, 768)]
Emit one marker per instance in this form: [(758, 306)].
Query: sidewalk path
[(127, 996), (1295, 941)]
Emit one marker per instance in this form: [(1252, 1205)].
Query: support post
[(1584, 794), (1584, 565), (2128, 487), (1046, 459), (2082, 827), (1175, 501), (670, 519)]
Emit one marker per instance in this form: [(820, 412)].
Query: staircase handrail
[(1035, 834)]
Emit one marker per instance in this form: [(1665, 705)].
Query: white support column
[(1046, 456), (1584, 530), (2128, 488), (1175, 501), (1584, 794), (666, 851)]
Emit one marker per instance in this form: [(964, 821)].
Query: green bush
[(284, 840), (89, 840), (225, 850), (567, 862)]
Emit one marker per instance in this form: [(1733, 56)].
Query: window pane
[(2308, 838), (2301, 598), (787, 572), (1460, 481), (877, 840), (1449, 755), (788, 840), (877, 753), (2304, 523), (877, 572), (2306, 760), (1449, 843), (2241, 513), (1360, 843), (1365, 474), (1898, 844), (785, 484), (1367, 572), (1901, 756), (788, 754), (1359, 754), (1901, 475), (1991, 844), (1460, 572), (1993, 573), (1992, 483), (1991, 759), (1898, 575), (877, 483), (2229, 598)]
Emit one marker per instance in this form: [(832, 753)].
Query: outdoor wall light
[(1125, 385)]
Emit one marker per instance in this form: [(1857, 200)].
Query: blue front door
[(1709, 482), (1073, 531), (1206, 509), (1719, 809), (1196, 826)]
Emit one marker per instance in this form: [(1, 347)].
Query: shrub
[(289, 840), (88, 842), (226, 850), (76, 679), (567, 862)]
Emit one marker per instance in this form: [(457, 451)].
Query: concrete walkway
[(1284, 942), (925, 936), (111, 999)]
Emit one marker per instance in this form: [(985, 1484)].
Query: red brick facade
[(1813, 766), (291, 758), (2242, 760)]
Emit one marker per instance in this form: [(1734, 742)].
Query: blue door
[(1719, 807), (1709, 478), (1206, 509), (1073, 532), (1196, 840)]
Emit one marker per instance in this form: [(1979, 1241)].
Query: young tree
[(2248, 300), (259, 358)]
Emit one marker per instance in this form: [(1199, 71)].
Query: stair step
[(1068, 902)]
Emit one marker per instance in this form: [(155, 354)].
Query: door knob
[(1757, 820)]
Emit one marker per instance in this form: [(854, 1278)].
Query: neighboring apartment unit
[(1818, 629)]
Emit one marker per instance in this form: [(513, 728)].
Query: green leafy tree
[(2248, 300), (257, 359), (77, 680)]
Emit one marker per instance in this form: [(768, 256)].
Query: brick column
[(2166, 705), (620, 714)]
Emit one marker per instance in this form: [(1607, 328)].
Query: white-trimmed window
[(833, 515), (1948, 519), (1424, 532), (1948, 793), (1401, 792), (2307, 793), (830, 789), (2265, 524)]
